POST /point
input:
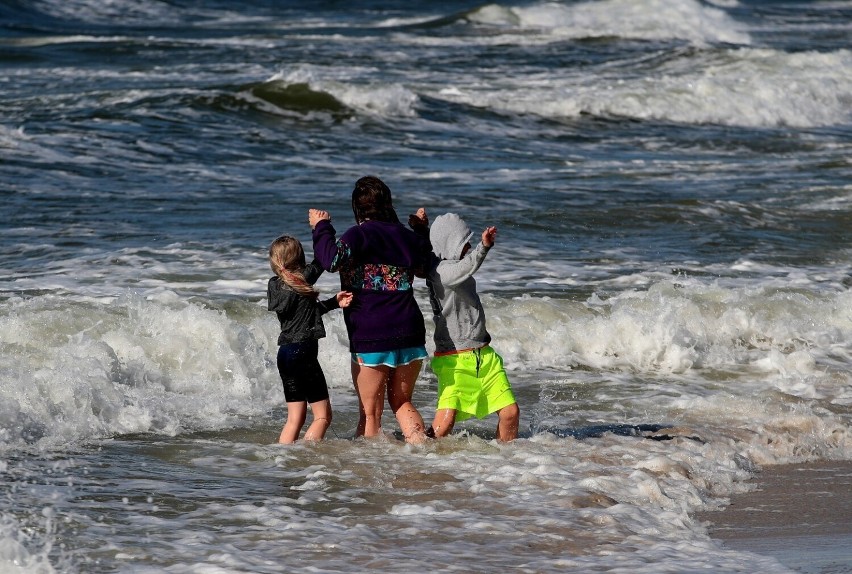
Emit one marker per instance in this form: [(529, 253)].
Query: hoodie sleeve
[(426, 257), (452, 273), (330, 253)]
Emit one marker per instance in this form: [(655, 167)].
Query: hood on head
[(449, 234)]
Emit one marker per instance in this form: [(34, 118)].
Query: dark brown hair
[(371, 199)]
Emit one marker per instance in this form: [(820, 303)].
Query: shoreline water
[(800, 514)]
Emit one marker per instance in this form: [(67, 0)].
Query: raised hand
[(419, 219), (489, 236), (317, 215)]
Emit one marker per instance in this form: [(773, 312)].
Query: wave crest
[(631, 19)]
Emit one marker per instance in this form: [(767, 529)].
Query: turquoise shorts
[(473, 383), (395, 358)]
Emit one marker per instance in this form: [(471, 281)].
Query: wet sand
[(800, 514)]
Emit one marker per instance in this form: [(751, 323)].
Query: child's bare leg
[(296, 413), (400, 390), (370, 385), (321, 411), (507, 423), (443, 422)]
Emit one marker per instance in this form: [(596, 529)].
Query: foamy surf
[(646, 20), (137, 364), (740, 87)]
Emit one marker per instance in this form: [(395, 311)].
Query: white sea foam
[(746, 87), (674, 328), (83, 372), (585, 495), (166, 365), (74, 371), (577, 502), (23, 550), (36, 41), (549, 22), (11, 137), (647, 19)]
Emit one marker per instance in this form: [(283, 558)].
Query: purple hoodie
[(377, 261)]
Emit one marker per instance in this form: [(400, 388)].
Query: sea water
[(670, 288)]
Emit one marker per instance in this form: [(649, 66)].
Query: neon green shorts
[(473, 383)]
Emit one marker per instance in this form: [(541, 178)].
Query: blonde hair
[(287, 260)]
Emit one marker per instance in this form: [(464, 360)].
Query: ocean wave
[(681, 326), (741, 87), (545, 22), (79, 370), (115, 13), (73, 372), (299, 97), (333, 89)]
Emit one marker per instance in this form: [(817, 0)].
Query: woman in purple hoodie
[(377, 260)]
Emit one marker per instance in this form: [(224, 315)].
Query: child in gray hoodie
[(471, 377)]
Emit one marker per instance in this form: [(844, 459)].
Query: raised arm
[(453, 273), (419, 222), (317, 215), (330, 252)]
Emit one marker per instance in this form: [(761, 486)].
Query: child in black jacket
[(292, 296)]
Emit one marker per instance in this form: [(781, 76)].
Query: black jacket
[(300, 317)]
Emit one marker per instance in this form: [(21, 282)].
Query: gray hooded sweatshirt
[(456, 308)]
